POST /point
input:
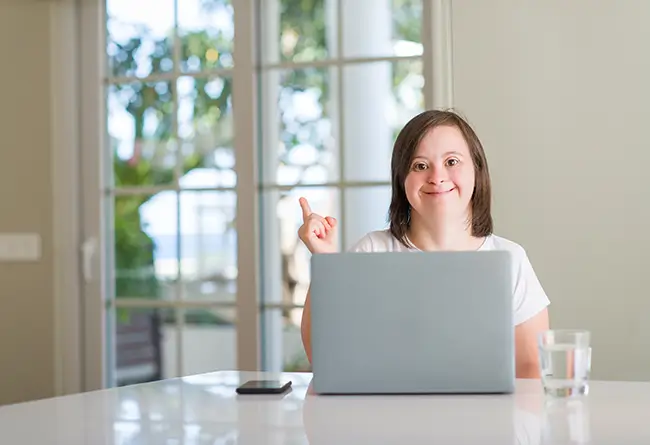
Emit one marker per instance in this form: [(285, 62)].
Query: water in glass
[(565, 361)]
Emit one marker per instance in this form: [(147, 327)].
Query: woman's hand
[(317, 232)]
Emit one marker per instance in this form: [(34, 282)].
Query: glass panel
[(390, 28), (208, 245), (209, 341), (146, 264), (299, 127), (139, 37), (282, 340), (366, 209), (379, 98), (206, 31), (144, 340), (285, 259), (205, 128), (298, 30), (140, 134)]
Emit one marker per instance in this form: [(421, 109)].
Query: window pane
[(379, 98), (205, 129), (298, 30), (206, 31), (140, 132), (144, 339), (139, 37), (283, 349), (366, 209), (299, 120), (208, 240), (390, 28), (146, 263), (209, 341), (285, 259)]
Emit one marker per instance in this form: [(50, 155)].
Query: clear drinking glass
[(565, 362)]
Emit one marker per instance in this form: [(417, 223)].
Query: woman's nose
[(437, 175)]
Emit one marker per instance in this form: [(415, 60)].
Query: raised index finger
[(306, 210)]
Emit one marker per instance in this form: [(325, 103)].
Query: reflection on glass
[(172, 413), (408, 419), (205, 129), (282, 328), (390, 28), (366, 209), (379, 99), (208, 240), (140, 132), (298, 31), (145, 248), (566, 421), (299, 145), (144, 339), (206, 32), (286, 260), (139, 37)]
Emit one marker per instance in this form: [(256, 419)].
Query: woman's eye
[(419, 166), (452, 162)]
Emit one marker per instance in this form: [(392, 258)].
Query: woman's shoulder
[(496, 242), (378, 241)]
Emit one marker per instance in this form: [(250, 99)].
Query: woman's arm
[(526, 352), (305, 325)]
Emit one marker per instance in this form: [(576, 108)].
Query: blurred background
[(154, 151)]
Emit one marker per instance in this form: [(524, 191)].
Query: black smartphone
[(264, 387)]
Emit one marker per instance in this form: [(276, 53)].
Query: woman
[(441, 201)]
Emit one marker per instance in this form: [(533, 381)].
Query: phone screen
[(264, 386)]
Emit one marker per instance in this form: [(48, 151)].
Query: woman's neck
[(451, 235)]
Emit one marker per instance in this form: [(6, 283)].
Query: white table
[(205, 409)]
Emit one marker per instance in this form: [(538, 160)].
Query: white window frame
[(65, 202), (81, 266)]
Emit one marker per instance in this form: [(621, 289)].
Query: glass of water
[(565, 362)]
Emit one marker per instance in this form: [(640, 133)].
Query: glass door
[(338, 81), (203, 122), (170, 207)]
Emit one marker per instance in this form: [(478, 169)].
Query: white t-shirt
[(529, 297)]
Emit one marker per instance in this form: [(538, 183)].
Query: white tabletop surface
[(205, 409)]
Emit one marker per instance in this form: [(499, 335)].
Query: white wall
[(559, 92)]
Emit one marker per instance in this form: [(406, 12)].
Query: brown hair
[(405, 146)]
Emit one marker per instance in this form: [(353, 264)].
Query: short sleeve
[(529, 296)]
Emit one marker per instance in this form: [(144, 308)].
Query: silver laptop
[(412, 322)]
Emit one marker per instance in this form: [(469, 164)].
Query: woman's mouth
[(439, 192)]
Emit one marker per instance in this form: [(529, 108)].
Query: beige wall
[(26, 296), (559, 92)]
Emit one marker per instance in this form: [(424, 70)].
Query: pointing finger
[(306, 210)]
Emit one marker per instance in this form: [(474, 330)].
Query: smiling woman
[(441, 202), (439, 152)]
